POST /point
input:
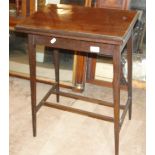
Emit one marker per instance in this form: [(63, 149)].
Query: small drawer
[(75, 45)]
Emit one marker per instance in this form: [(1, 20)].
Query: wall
[(53, 1)]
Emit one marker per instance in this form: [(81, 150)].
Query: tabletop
[(78, 21)]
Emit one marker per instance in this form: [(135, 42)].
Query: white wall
[(53, 1)]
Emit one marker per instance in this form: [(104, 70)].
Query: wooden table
[(91, 30)]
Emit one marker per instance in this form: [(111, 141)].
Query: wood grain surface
[(80, 21)]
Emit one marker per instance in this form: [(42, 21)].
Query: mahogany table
[(93, 30)]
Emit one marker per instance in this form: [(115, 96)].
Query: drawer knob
[(53, 40)]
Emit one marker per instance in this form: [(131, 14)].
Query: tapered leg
[(129, 57), (32, 64), (56, 64), (116, 95)]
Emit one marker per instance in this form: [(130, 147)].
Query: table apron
[(76, 45)]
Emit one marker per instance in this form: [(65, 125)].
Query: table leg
[(56, 65), (32, 64), (129, 58), (116, 95), (79, 72)]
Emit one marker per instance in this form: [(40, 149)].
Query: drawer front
[(75, 45)]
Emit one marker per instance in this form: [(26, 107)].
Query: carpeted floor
[(64, 133)]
